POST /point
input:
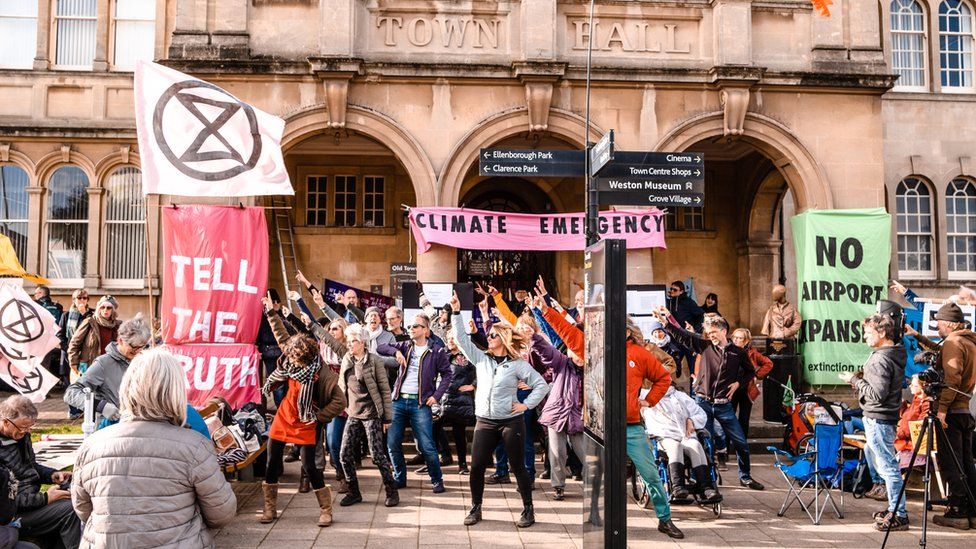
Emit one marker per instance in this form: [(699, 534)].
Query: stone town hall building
[(387, 102)]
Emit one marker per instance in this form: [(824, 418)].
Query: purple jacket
[(434, 361), (563, 410)]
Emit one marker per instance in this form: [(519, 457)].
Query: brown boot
[(270, 503), (343, 486), (324, 495), (303, 485)]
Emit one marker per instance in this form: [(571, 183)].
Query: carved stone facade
[(401, 96)]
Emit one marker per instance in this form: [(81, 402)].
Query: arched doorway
[(507, 270)]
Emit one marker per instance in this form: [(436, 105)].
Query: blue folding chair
[(820, 470)]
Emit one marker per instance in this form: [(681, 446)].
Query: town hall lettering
[(629, 36), (440, 30)]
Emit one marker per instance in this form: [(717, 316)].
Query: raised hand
[(492, 290), (455, 302), (898, 287), (294, 296), (301, 278), (483, 307), (541, 285), (266, 302), (479, 290)]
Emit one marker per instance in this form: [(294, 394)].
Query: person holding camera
[(878, 389), (957, 364)]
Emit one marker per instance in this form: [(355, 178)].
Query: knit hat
[(654, 324), (109, 300), (950, 312)]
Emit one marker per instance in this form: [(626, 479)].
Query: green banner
[(842, 271)]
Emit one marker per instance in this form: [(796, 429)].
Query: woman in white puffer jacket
[(674, 421)]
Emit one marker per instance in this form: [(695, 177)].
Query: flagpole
[(149, 284)]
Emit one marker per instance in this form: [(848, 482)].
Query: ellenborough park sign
[(496, 31)]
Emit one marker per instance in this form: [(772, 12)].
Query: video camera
[(932, 379)]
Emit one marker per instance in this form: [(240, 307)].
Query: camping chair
[(820, 470)]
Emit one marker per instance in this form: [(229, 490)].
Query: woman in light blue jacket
[(498, 411)]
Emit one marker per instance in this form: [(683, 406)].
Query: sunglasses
[(334, 329), (412, 326), (493, 335)]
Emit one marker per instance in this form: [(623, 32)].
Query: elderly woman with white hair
[(104, 376), (132, 491)]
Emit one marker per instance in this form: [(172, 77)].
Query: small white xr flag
[(196, 139)]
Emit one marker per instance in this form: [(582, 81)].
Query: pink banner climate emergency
[(484, 230)]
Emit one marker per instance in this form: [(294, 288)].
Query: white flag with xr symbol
[(27, 334), (195, 139)]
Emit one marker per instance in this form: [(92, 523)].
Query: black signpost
[(605, 396)]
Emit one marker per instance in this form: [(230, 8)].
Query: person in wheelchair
[(675, 421)]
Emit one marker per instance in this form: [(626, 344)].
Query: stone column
[(153, 234), (41, 59), (757, 276), (437, 265), (733, 32), (828, 36), (35, 222), (100, 63), (230, 36), (338, 27), (93, 267), (865, 25), (538, 29), (190, 33)]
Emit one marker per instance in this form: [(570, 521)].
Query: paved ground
[(425, 520)]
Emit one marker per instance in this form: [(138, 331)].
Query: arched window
[(125, 231), (956, 44), (18, 30), (908, 43), (13, 208), (913, 219), (961, 226), (67, 223)]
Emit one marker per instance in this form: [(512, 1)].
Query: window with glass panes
[(956, 44), (374, 205), (13, 208), (913, 219), (345, 200), (67, 223), (317, 200), (135, 33), (125, 230), (908, 43), (18, 33), (961, 226), (693, 218), (75, 29)]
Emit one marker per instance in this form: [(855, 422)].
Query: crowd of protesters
[(342, 385)]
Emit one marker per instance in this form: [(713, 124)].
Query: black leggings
[(276, 465), (459, 428), (487, 434)]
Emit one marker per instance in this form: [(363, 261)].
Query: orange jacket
[(641, 365), (571, 335), (915, 411)]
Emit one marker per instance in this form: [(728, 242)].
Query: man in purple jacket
[(415, 391)]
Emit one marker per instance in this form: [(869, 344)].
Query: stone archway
[(804, 175), (314, 120), (564, 125)]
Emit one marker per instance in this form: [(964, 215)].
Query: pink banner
[(215, 271), (229, 371), (484, 230)]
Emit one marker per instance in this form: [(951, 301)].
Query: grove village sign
[(491, 30)]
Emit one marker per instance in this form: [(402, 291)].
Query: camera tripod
[(930, 426)]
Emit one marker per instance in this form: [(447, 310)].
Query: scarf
[(371, 344), (111, 323), (306, 376), (74, 318)]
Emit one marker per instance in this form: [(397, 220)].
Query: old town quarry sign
[(205, 132)]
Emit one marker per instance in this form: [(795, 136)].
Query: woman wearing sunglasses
[(498, 411)]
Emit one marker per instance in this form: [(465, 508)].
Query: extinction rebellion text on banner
[(486, 230), (842, 269)]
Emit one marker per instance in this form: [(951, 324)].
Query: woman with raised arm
[(498, 411)]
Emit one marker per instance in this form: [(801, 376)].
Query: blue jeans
[(333, 438), (881, 441), (531, 421), (725, 416), (407, 410)]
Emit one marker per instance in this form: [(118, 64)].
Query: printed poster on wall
[(842, 271), (215, 270)]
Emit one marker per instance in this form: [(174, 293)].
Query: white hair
[(356, 332), (135, 331), (154, 388), (16, 407)]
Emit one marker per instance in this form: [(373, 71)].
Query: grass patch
[(57, 429)]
